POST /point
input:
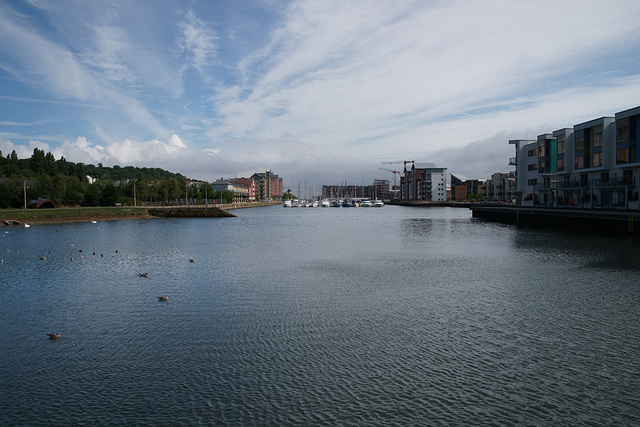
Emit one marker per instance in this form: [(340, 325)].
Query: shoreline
[(19, 217)]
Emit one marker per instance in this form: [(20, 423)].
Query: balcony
[(613, 182), (513, 161)]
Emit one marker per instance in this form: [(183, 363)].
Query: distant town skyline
[(317, 91)]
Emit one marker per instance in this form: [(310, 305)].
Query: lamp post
[(135, 200), (24, 191)]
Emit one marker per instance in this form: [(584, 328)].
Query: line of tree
[(67, 184)]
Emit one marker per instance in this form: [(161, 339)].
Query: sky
[(322, 91)]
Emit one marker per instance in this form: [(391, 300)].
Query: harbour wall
[(573, 220)]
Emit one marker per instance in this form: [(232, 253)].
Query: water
[(392, 316)]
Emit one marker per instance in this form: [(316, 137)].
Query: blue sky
[(322, 91)]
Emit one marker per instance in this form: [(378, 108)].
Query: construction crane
[(394, 175), (398, 161)]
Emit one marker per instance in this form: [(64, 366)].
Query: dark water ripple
[(324, 317)]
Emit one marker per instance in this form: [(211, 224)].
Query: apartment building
[(268, 186), (423, 182), (594, 164)]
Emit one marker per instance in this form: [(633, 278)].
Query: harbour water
[(392, 316)]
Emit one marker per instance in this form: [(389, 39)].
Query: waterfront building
[(249, 184), (268, 186), (496, 187), (595, 164), (424, 182)]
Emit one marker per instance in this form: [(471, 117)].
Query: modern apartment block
[(423, 182), (595, 164), (268, 186)]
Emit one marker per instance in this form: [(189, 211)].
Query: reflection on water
[(392, 316)]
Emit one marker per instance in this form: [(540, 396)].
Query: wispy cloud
[(197, 41), (338, 83)]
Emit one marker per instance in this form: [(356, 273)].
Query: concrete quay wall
[(574, 220)]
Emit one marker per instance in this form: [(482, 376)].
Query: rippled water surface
[(392, 316)]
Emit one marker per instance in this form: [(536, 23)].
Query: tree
[(92, 195), (108, 194)]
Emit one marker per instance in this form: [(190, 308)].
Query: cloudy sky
[(320, 91)]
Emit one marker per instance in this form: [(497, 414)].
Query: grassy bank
[(70, 214)]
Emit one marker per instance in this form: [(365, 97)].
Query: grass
[(71, 214)]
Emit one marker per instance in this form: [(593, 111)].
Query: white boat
[(378, 204), (287, 203), (366, 204), (325, 204)]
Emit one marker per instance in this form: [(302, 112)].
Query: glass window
[(622, 156), (596, 160), (580, 142), (560, 165), (579, 162), (541, 148), (622, 130), (560, 144), (597, 135), (532, 167)]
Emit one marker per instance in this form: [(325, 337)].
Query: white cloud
[(197, 41)]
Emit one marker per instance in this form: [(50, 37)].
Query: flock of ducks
[(56, 336)]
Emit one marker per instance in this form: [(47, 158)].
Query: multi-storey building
[(424, 182), (268, 186), (249, 184), (496, 187), (595, 164)]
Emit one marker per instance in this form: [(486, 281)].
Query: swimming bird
[(43, 258), (164, 298), (142, 274), (192, 260), (55, 336)]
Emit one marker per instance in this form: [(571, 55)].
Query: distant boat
[(378, 204), (287, 204), (325, 204), (366, 204)]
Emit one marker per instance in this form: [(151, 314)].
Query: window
[(532, 167), (622, 130), (597, 136), (596, 160), (542, 167), (622, 156), (533, 181), (580, 141), (579, 162), (541, 148), (560, 165), (560, 144), (532, 153)]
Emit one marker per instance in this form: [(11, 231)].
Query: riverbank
[(10, 217)]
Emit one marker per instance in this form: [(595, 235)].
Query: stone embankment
[(189, 212)]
